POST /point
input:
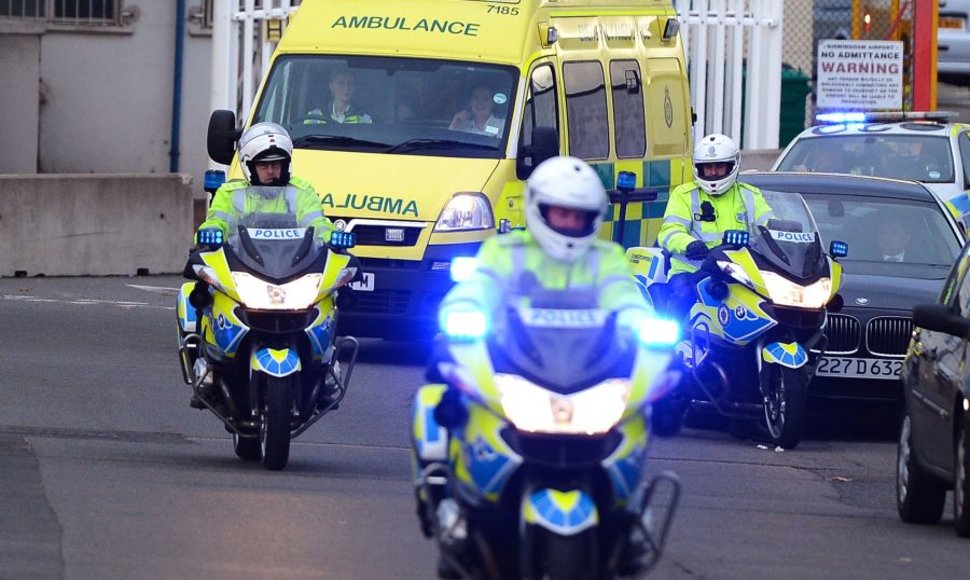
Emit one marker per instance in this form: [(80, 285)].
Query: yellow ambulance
[(418, 121)]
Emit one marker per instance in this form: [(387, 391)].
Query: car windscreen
[(924, 158), (885, 229), (406, 106)]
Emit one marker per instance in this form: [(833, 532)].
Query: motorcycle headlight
[(787, 293), (465, 212), (299, 294), (592, 411)]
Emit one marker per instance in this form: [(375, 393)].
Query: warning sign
[(860, 74)]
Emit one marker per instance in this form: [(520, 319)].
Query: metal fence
[(73, 12)]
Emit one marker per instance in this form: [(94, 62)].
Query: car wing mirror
[(941, 318)]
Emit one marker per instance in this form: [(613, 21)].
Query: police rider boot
[(634, 552), (453, 534)]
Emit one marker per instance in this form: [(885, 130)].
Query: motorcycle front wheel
[(568, 557), (786, 405), (274, 434)]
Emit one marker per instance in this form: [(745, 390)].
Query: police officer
[(265, 151), (699, 212), (559, 250)]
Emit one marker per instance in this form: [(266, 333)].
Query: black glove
[(696, 250)]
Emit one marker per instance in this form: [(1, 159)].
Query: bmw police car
[(929, 147)]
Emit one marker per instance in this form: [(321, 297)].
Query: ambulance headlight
[(466, 212), (258, 294), (787, 293), (591, 411)]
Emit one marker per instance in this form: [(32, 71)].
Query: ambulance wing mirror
[(222, 136), (545, 144)]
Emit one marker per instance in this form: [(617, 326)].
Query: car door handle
[(942, 47)]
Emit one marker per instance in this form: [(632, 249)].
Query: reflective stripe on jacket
[(511, 265), (735, 209), (231, 201)]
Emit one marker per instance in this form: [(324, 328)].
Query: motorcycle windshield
[(561, 344), (790, 239), (265, 235)]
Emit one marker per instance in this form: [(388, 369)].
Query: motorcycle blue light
[(343, 239), (838, 249), (214, 178), (852, 117), (656, 331), (462, 268), (465, 324), (210, 237), (736, 238)]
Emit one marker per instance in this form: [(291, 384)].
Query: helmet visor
[(714, 170), (569, 221)]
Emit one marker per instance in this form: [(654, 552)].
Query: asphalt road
[(106, 472)]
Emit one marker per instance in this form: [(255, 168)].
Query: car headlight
[(299, 294), (465, 212), (534, 409), (786, 293)]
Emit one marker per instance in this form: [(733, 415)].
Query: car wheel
[(920, 498), (961, 484)]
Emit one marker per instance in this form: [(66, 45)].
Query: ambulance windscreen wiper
[(415, 144), (328, 141)]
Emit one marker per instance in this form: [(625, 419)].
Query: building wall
[(19, 102)]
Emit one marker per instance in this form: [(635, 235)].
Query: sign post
[(860, 75)]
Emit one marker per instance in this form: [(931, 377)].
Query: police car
[(929, 147)]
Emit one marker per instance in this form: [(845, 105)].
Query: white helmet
[(716, 148), (565, 182), (265, 142)]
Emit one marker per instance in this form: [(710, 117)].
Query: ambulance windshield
[(391, 105)]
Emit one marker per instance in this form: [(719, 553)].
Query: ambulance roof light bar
[(883, 116)]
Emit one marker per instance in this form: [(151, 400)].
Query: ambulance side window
[(586, 110), (628, 125), (965, 156), (540, 103)]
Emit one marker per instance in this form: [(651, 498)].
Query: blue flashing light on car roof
[(839, 118), (847, 117)]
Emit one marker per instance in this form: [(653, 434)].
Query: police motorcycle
[(256, 330), (529, 451), (760, 309)]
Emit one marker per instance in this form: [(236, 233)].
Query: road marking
[(86, 302), (158, 289)]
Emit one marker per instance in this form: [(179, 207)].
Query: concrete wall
[(19, 102), (758, 160), (97, 225)]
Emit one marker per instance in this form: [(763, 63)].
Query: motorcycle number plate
[(860, 368), (365, 284)]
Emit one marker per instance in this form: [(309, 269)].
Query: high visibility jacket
[(512, 266), (738, 208), (235, 198), (318, 117)]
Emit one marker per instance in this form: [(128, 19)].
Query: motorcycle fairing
[(565, 513), (737, 318), (648, 372), (485, 461), (336, 262), (742, 257), (648, 265), (223, 328), (430, 438), (184, 310), (321, 331), (278, 363), (787, 354), (625, 465), (216, 260)]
